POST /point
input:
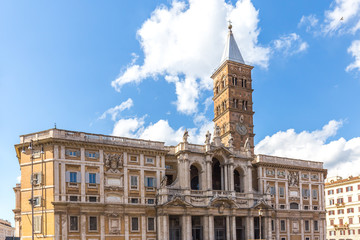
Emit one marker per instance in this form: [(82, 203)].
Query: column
[(277, 193), (260, 179), (56, 180), (222, 176), (83, 226), (320, 193), (102, 183), (186, 173), (310, 197), (209, 172), (249, 227), (82, 154), (288, 228), (206, 227), (143, 227), (277, 228), (102, 227), (268, 230), (158, 179), (312, 228), (63, 184), (189, 227), (302, 228), (166, 227), (126, 226), (56, 230), (233, 228), (126, 180), (159, 226), (183, 227), (142, 187), (287, 194), (226, 186), (64, 226), (62, 152), (211, 228), (228, 236), (249, 179), (231, 177), (82, 184)]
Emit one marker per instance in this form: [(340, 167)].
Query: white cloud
[(343, 17), (187, 40), (310, 22), (114, 112), (160, 131), (290, 44), (354, 49), (340, 156)]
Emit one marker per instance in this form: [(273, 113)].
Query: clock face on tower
[(241, 128)]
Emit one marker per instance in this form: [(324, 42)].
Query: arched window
[(216, 175), (194, 178), (294, 205), (235, 103), (245, 83), (234, 80)]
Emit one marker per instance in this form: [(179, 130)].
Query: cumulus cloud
[(290, 44), (186, 40), (354, 50), (339, 156), (115, 111), (160, 131), (309, 22)]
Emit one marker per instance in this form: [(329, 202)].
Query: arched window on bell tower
[(234, 80)]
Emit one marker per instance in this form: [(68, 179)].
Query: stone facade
[(6, 230), (343, 208), (92, 186)]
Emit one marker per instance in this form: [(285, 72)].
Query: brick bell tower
[(233, 106)]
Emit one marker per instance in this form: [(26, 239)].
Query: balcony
[(341, 226), (340, 205)]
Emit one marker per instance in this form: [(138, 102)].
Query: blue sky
[(142, 69)]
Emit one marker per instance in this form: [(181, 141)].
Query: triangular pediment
[(222, 151), (225, 202), (262, 204), (178, 201)]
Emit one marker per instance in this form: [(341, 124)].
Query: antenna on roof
[(55, 125)]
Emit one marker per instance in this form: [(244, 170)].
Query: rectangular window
[(93, 155), (339, 190), (282, 225), (349, 189), (341, 221), (151, 224), (150, 201), (331, 202), (340, 200), (134, 182), (134, 224), (150, 160), (315, 194), (134, 200), (350, 210), (93, 223), (305, 176), (37, 224), (349, 199), (272, 191), (341, 211), (150, 182), (272, 225), (73, 177), (359, 187), (331, 192), (37, 178), (350, 220), (74, 223), (92, 199), (92, 178), (307, 226), (133, 158), (281, 192), (305, 193), (37, 201), (73, 198), (316, 225), (331, 222), (72, 153)]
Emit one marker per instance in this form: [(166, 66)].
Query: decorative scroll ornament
[(113, 162), (293, 179)]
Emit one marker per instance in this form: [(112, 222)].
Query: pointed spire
[(231, 51)]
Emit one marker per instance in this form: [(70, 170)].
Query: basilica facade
[(100, 187)]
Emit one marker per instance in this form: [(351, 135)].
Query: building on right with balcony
[(343, 207)]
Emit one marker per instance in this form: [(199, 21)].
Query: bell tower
[(233, 106)]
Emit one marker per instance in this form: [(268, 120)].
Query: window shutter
[(67, 176), (86, 154), (146, 181), (154, 182), (97, 178), (97, 155), (78, 177), (39, 178), (87, 176), (78, 153), (67, 152)]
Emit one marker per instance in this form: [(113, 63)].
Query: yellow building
[(99, 187)]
